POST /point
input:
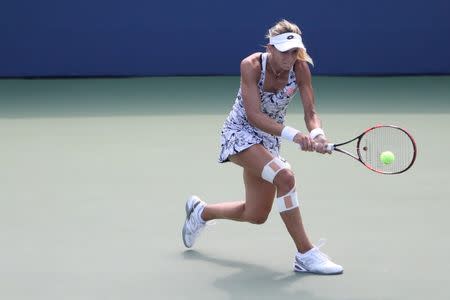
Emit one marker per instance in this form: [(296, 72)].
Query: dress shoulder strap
[(263, 62)]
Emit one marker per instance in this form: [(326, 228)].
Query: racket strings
[(382, 139)]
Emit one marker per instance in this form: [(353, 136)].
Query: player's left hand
[(321, 146)]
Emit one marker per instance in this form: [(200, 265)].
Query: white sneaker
[(315, 261), (193, 224)]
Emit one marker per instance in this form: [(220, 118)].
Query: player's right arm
[(250, 75)]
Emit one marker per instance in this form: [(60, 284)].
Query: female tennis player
[(251, 139)]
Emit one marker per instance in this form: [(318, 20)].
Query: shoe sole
[(299, 269)]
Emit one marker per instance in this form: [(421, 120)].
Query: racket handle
[(329, 147), (300, 146)]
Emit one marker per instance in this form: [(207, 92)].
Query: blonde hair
[(284, 26)]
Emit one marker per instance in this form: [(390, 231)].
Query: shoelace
[(321, 243), (317, 256)]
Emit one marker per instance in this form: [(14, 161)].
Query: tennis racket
[(378, 140)]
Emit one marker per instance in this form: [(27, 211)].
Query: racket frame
[(334, 147)]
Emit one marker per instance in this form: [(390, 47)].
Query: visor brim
[(288, 45)]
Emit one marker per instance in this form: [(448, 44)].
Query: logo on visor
[(290, 37)]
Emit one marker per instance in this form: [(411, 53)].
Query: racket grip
[(300, 146), (330, 147)]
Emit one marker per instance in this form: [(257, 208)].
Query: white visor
[(287, 41)]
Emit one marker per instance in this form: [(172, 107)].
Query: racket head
[(378, 139)]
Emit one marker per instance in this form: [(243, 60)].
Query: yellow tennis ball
[(387, 157)]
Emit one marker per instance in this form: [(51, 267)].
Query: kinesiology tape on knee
[(272, 168), (288, 201)]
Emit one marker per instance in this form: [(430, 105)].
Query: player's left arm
[(304, 83)]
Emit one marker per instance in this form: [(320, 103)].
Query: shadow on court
[(254, 281)]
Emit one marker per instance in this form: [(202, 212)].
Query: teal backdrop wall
[(52, 38)]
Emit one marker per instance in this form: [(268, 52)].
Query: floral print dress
[(237, 133)]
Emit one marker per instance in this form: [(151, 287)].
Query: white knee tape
[(288, 201), (272, 168)]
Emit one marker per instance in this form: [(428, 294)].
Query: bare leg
[(285, 182), (259, 197), (255, 209), (226, 210), (293, 221)]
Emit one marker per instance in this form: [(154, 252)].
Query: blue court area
[(95, 174)]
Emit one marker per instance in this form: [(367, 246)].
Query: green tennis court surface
[(94, 174)]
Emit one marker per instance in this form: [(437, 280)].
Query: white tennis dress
[(237, 133)]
